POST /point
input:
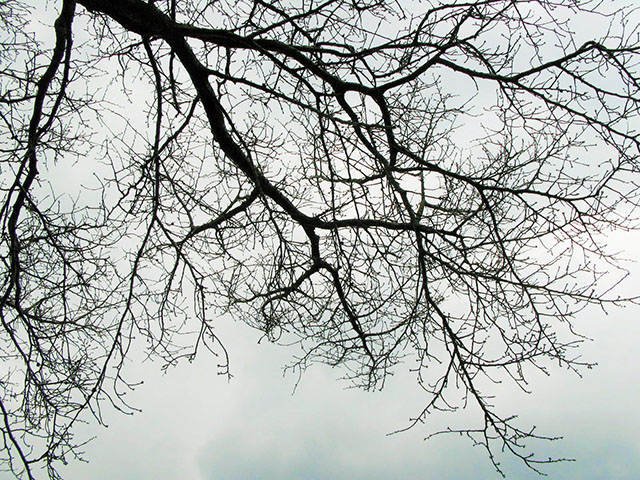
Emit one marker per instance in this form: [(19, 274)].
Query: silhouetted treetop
[(379, 182)]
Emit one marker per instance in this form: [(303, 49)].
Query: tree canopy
[(378, 182)]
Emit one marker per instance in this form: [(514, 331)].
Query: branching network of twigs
[(376, 181)]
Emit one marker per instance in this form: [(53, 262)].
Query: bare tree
[(377, 181)]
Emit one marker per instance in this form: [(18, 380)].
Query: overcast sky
[(196, 425)]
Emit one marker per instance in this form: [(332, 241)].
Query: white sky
[(196, 425)]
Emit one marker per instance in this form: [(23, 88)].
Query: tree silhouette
[(377, 181)]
